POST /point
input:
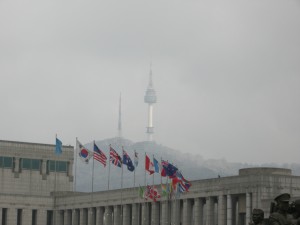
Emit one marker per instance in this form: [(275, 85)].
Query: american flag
[(99, 155), (114, 157)]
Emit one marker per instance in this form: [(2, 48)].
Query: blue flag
[(58, 147), (156, 165), (127, 161)]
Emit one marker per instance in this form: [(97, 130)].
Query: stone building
[(32, 193)]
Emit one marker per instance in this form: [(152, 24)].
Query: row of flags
[(177, 185), (97, 154)]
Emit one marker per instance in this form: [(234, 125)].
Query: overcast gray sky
[(227, 74)]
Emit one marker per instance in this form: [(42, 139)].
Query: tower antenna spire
[(120, 118), (150, 99)]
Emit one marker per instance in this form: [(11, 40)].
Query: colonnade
[(212, 210)]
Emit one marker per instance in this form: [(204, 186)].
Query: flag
[(164, 189), (136, 159), (127, 161), (152, 193), (167, 169), (149, 165), (84, 153), (141, 192), (156, 165), (58, 147), (114, 157), (174, 182), (99, 155), (184, 186)]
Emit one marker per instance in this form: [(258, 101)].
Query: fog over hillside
[(193, 167)]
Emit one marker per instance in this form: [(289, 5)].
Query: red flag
[(149, 165), (152, 193)]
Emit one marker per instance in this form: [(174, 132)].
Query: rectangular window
[(35, 164), (7, 162), (61, 166), (31, 164), (51, 165), (26, 164), (1, 161)]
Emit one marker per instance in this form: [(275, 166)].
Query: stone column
[(108, 216), (135, 214), (197, 211), (248, 207), (91, 216), (221, 210), (164, 212), (187, 212), (82, 217), (58, 217), (256, 198), (117, 215), (175, 212), (26, 216), (17, 165), (126, 214), (11, 216), (154, 213), (145, 214), (229, 210), (67, 217), (209, 210), (75, 219), (44, 169), (41, 216), (99, 215), (1, 214)]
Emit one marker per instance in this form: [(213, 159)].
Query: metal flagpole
[(93, 177), (75, 164), (153, 173), (122, 186), (134, 171), (108, 169), (145, 169), (54, 202)]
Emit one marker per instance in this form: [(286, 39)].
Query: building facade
[(33, 191)]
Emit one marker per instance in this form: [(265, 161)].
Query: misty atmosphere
[(192, 167), (226, 75)]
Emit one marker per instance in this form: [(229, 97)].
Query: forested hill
[(193, 167)]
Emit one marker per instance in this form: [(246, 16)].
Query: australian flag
[(168, 169), (114, 157), (127, 161)]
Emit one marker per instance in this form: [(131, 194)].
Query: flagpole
[(55, 182), (93, 176), (108, 168), (145, 189), (154, 171), (145, 169), (160, 171), (134, 171), (122, 186), (75, 164)]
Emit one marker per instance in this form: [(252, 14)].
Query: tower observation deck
[(150, 99)]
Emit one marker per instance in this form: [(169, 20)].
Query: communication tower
[(150, 99)]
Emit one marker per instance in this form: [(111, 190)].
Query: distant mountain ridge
[(193, 167)]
